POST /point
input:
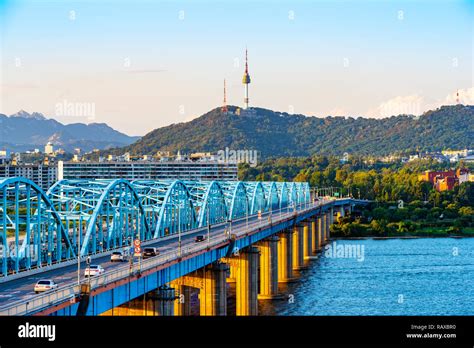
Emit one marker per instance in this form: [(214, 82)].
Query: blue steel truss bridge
[(51, 235)]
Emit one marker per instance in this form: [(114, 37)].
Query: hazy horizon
[(140, 65)]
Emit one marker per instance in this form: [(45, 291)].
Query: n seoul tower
[(246, 81)]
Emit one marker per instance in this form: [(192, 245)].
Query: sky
[(138, 65)]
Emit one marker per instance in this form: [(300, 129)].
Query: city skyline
[(143, 65)]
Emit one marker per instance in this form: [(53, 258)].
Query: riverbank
[(400, 237), (349, 227)]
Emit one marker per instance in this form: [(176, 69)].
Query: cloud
[(409, 104), (337, 112), (417, 104)]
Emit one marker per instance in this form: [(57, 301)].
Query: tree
[(379, 227), (465, 194), (466, 211)]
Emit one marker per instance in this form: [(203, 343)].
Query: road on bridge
[(21, 289)]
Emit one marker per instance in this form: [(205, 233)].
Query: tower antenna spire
[(246, 81), (224, 105), (457, 96)]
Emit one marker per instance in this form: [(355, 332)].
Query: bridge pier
[(314, 235), (247, 282), (232, 273), (182, 304), (307, 240), (329, 222), (165, 297), (285, 258), (213, 293), (268, 268), (298, 248), (322, 230)]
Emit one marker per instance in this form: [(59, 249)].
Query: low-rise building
[(445, 181), (431, 175)]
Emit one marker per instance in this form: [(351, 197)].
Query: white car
[(93, 270), (118, 256), (45, 285)]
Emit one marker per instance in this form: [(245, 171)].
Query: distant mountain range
[(276, 134), (24, 131)]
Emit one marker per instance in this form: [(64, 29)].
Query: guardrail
[(62, 294)]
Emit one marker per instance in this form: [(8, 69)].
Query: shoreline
[(398, 237)]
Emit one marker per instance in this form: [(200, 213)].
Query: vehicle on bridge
[(119, 256), (200, 238), (93, 270), (45, 285), (150, 252)]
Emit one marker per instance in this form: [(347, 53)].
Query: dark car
[(150, 252), (200, 238)]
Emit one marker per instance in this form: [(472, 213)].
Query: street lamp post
[(88, 261), (271, 209), (247, 216), (79, 257), (179, 230), (208, 229)]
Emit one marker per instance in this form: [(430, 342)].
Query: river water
[(426, 276)]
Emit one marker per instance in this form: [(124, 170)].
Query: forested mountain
[(276, 134)]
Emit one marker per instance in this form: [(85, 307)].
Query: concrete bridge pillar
[(182, 304), (327, 224), (285, 257), (307, 241), (165, 297), (320, 232), (247, 282), (314, 236), (268, 268), (232, 273), (322, 228), (213, 291), (298, 247)]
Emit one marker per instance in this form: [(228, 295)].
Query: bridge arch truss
[(86, 217)]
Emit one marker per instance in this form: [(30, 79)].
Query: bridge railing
[(69, 292)]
